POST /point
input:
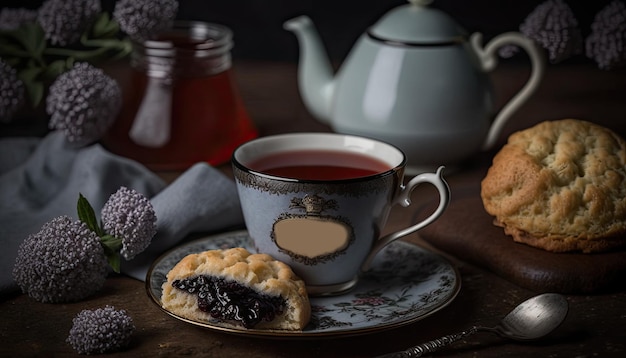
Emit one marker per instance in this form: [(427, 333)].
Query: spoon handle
[(431, 346)]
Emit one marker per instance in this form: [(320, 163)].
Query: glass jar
[(181, 105)]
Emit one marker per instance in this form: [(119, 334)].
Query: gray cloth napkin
[(40, 179)]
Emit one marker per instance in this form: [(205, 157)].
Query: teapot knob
[(420, 2)]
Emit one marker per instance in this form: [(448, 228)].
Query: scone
[(560, 186), (237, 287)]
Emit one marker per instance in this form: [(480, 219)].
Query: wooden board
[(466, 231)]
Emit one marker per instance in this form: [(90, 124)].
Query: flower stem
[(122, 48)]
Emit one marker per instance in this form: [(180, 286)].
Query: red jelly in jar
[(181, 105)]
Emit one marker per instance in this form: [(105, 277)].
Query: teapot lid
[(417, 24)]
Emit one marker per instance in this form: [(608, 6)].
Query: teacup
[(319, 202)]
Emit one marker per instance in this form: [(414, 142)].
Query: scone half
[(239, 288), (560, 186)]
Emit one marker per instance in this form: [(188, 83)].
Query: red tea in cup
[(319, 165)]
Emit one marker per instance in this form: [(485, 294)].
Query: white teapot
[(414, 80)]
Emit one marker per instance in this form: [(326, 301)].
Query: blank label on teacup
[(319, 165), (311, 236)]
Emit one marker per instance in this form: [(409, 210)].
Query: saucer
[(405, 284)]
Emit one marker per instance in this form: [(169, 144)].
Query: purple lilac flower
[(11, 19), (553, 26), (129, 216), (63, 262), (607, 41), (11, 92), (83, 102), (64, 21), (101, 331), (140, 19)]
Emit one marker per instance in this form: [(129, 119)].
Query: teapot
[(415, 80)]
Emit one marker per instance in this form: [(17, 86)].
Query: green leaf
[(26, 42), (54, 69), (35, 90), (32, 37), (29, 74), (104, 26), (114, 262), (12, 61), (88, 216), (69, 62), (31, 78), (10, 49), (112, 246), (111, 243)]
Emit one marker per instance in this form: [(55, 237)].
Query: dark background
[(257, 24)]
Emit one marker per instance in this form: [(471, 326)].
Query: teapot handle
[(489, 60)]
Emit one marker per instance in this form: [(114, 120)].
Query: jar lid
[(188, 49), (190, 38), (417, 24)]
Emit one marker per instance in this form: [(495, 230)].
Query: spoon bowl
[(534, 318), (530, 320)]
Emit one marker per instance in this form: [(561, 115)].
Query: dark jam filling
[(230, 301)]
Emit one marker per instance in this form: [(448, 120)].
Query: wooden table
[(594, 326)]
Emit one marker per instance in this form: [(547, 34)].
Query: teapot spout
[(315, 73)]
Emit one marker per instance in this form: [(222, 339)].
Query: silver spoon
[(532, 319)]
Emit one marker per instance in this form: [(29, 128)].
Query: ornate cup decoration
[(312, 237)]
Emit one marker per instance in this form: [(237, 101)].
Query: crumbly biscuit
[(258, 272), (560, 186)]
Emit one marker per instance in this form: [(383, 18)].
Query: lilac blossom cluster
[(68, 260), (83, 102), (102, 330), (553, 25), (63, 262), (142, 18), (42, 44), (63, 21), (607, 42), (129, 216), (11, 92)]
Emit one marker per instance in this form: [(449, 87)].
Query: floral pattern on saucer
[(406, 283)]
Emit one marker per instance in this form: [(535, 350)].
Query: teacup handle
[(488, 57), (404, 198)]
